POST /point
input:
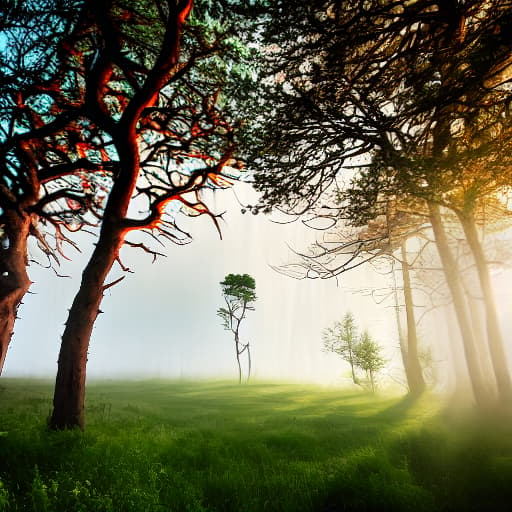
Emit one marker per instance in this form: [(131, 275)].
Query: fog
[(161, 321)]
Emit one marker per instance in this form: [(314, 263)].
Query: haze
[(161, 320)]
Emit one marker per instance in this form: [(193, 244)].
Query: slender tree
[(368, 358), (239, 292), (342, 339), (412, 363)]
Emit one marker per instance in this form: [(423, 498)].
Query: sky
[(161, 321)]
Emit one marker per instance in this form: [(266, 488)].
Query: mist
[(161, 321)]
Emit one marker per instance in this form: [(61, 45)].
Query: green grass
[(216, 446)]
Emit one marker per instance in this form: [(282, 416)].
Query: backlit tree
[(147, 78), (414, 96)]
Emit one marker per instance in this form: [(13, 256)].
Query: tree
[(30, 69), (416, 96), (148, 89), (342, 339), (367, 357), (239, 294), (412, 364), (346, 246)]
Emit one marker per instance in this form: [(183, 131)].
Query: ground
[(217, 446)]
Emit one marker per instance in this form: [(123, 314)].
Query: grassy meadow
[(217, 446)]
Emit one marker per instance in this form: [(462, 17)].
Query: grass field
[(214, 446)]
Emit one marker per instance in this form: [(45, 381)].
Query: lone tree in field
[(368, 358), (342, 339), (239, 293)]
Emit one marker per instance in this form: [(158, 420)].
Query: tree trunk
[(401, 338), (413, 369), (237, 348), (475, 311), (494, 337), (68, 401), (451, 272), (69, 395), (248, 362), (461, 381), (351, 361), (14, 281)]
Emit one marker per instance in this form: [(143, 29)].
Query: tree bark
[(494, 337), (14, 280), (413, 368), (451, 272), (69, 395)]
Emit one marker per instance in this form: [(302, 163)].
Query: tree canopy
[(240, 287), (416, 93)]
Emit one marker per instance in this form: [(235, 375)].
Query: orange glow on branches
[(183, 15), (220, 180)]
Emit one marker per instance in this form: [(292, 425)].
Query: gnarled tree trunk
[(69, 395), (14, 281)]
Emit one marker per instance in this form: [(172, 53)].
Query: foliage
[(239, 288), (239, 293), (161, 445), (341, 339), (367, 357), (59, 140), (359, 350), (414, 94)]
